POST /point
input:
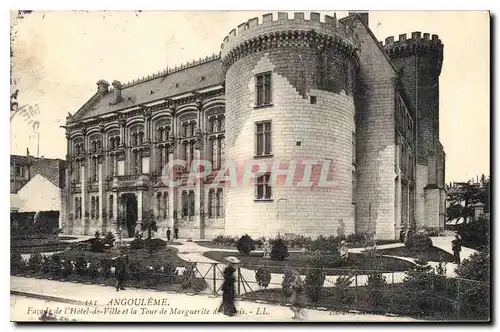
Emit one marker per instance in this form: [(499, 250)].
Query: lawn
[(431, 254), (300, 262)]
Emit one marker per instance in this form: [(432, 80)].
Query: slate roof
[(196, 77), (47, 167)]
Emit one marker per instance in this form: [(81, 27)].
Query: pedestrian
[(121, 271), (168, 234), (402, 236), (456, 246), (296, 301), (176, 232), (227, 306)]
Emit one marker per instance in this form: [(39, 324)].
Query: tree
[(464, 195)]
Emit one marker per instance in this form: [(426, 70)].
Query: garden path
[(76, 294)]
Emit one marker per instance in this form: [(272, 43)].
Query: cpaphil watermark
[(304, 173)]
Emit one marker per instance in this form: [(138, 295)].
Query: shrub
[(153, 245), (109, 239), (263, 277), (137, 242), (224, 240), (188, 276), (300, 241), (328, 245), (421, 241), (476, 267), (35, 262), (375, 285), (80, 266), (279, 250), (315, 278), (245, 245), (17, 262), (93, 270), (105, 267), (52, 264), (66, 268), (426, 292), (80, 246), (168, 271), (476, 234), (357, 238), (342, 296)]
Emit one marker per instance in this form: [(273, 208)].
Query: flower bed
[(430, 254), (145, 271), (300, 262)]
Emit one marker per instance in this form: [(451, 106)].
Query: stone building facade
[(283, 89)]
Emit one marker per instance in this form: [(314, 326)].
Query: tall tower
[(419, 60), (309, 68)]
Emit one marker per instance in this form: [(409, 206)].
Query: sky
[(60, 55)]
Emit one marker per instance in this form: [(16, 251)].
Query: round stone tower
[(420, 60), (290, 86)]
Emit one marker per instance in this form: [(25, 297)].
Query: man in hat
[(121, 271), (169, 233), (176, 232), (456, 246), (227, 306)]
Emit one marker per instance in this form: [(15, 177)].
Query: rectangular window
[(19, 171), (263, 187), (263, 138), (191, 203), (353, 186), (184, 204), (263, 89), (110, 206)]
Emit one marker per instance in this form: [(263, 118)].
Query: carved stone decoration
[(199, 140), (84, 131), (122, 120), (147, 113), (101, 127), (170, 148)]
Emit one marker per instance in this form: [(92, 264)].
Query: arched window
[(165, 204), (92, 207)]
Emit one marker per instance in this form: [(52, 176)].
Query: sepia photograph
[(250, 166)]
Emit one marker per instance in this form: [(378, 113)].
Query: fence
[(403, 293)]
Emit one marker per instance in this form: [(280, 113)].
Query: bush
[(109, 239), (80, 246), (80, 266), (375, 285), (245, 245), (224, 240), (168, 271), (153, 245), (476, 267), (93, 270), (342, 296), (421, 241), (418, 285), (329, 245), (300, 241), (137, 242), (476, 234), (35, 262), (66, 268), (263, 277), (105, 267), (315, 278), (52, 265), (279, 250), (357, 238), (17, 262)]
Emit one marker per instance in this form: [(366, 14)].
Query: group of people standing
[(169, 233)]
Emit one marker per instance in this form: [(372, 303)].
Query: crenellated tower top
[(425, 45), (268, 32)]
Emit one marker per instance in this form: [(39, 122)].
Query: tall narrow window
[(353, 193), (92, 207), (263, 89), (220, 203), (191, 203), (354, 147), (185, 204), (210, 203), (165, 204), (76, 212), (111, 201), (263, 187), (97, 213), (159, 209), (263, 138)]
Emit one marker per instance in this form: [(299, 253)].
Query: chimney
[(117, 92), (363, 16), (102, 87)]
